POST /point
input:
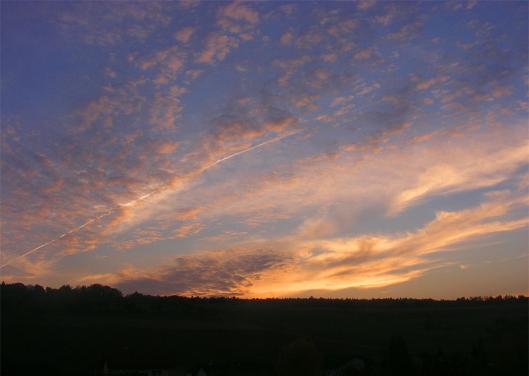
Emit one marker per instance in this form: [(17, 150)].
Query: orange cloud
[(296, 265), (495, 167)]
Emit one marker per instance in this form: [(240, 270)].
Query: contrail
[(271, 141), (75, 229), (143, 197)]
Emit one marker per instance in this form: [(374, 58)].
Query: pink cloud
[(239, 11), (184, 35), (216, 48), (427, 84), (364, 54)]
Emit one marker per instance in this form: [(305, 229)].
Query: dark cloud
[(213, 274)]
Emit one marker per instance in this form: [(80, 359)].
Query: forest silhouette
[(96, 330)]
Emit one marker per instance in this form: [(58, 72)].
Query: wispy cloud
[(325, 264)]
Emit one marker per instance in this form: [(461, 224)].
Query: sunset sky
[(266, 149)]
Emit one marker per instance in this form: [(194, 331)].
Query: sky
[(266, 149)]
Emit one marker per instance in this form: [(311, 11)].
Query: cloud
[(167, 147), (381, 260), (216, 48), (384, 19), (306, 101), (187, 230), (166, 108), (289, 67), (222, 273), (427, 84), (287, 38), (184, 35), (236, 125), (369, 178), (171, 59), (239, 11), (495, 167), (364, 54), (238, 18), (331, 264), (408, 31), (365, 4)]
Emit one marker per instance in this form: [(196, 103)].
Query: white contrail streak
[(143, 197), (75, 229), (271, 141)]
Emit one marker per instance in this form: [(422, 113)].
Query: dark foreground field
[(95, 330)]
